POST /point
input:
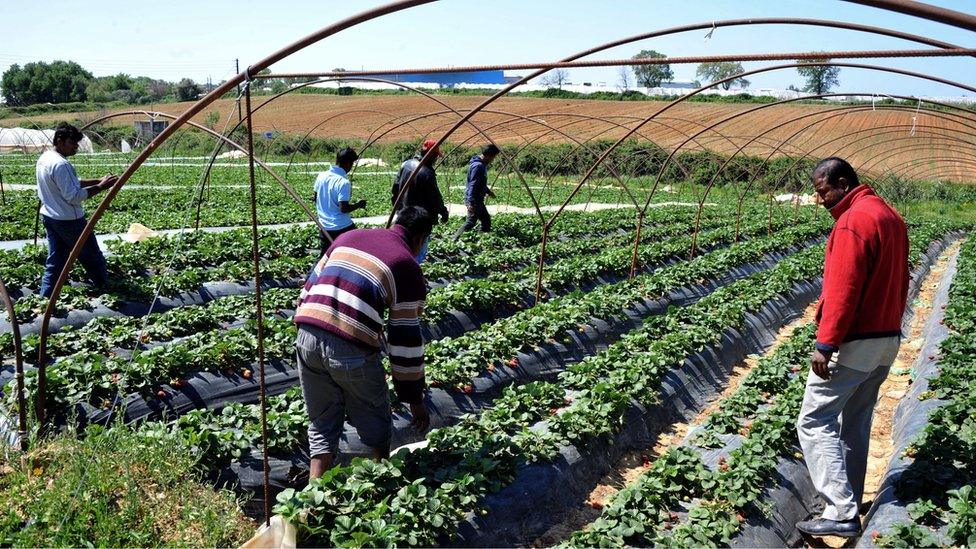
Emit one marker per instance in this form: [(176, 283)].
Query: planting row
[(938, 483), (90, 376), (193, 260), (682, 500), (696, 496), (227, 206), (462, 296)]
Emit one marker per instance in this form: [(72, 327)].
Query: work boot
[(826, 527)]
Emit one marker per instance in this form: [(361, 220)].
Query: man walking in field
[(423, 192), (333, 191), (366, 274), (477, 189), (859, 318), (61, 194)]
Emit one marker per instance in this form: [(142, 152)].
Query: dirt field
[(878, 141)]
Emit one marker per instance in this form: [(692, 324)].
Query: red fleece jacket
[(865, 272)]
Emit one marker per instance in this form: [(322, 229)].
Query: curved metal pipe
[(18, 366)]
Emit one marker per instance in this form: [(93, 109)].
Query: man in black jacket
[(423, 191), (477, 189)]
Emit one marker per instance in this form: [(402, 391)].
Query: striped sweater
[(364, 274)]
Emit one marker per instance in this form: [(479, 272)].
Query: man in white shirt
[(61, 194), (333, 192)]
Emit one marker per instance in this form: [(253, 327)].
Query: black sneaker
[(826, 527)]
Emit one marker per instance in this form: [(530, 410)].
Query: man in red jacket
[(859, 318)]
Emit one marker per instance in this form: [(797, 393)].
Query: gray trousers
[(834, 428)]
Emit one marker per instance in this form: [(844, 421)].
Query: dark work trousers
[(61, 238), (476, 213), (325, 243)]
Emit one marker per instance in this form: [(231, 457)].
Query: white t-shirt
[(867, 354), (59, 188)]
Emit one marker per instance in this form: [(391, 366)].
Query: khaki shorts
[(340, 379)]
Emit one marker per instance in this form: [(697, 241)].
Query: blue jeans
[(61, 237), (423, 251)]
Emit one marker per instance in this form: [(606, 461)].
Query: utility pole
[(237, 70)]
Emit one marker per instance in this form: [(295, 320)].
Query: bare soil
[(517, 120)]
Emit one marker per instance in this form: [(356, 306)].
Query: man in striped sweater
[(363, 275)]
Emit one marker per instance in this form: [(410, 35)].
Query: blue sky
[(201, 39)]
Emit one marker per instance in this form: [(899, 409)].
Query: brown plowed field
[(877, 141)]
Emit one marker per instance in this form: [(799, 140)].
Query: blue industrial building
[(450, 79)]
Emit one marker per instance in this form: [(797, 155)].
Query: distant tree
[(651, 76), (819, 78), (157, 90), (623, 79), (187, 90), (715, 71), (278, 85), (555, 78), (57, 82)]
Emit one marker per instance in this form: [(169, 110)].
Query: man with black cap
[(477, 189), (423, 191), (61, 194), (332, 197)]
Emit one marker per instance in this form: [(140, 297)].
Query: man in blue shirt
[(332, 194), (477, 189)]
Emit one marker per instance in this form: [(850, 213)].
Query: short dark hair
[(490, 149), (346, 156), (833, 168), (67, 131), (416, 221)]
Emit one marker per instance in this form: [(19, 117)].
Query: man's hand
[(819, 362), (444, 215), (421, 419), (360, 205), (107, 181), (491, 194)]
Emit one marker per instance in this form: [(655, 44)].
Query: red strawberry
[(247, 374), (596, 505), (666, 526), (740, 517), (512, 362), (467, 389), (177, 383), (876, 534), (160, 394)]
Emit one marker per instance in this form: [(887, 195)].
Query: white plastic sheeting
[(31, 141)]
